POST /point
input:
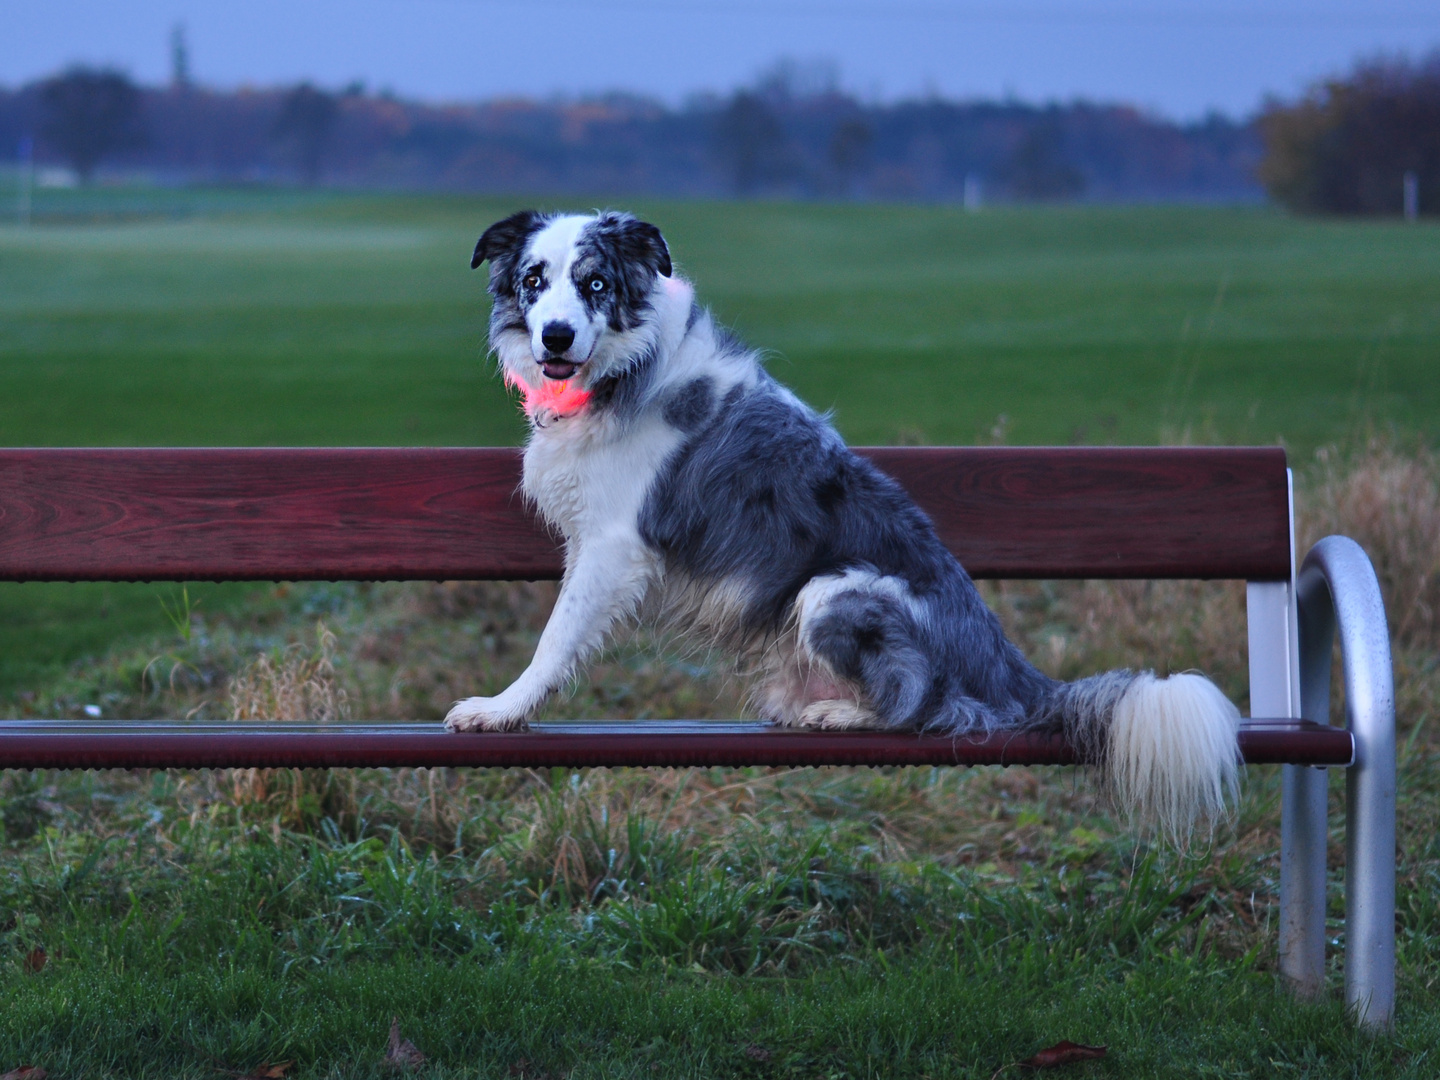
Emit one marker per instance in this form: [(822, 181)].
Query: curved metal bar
[(1337, 589)]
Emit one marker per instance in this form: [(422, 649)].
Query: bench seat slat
[(455, 513), (36, 744)]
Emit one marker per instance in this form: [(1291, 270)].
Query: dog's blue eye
[(597, 284)]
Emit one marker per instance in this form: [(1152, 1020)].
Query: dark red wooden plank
[(268, 514), (393, 513), (64, 744), (1105, 512)]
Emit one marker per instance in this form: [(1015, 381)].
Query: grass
[(924, 923), (352, 320), (303, 948)]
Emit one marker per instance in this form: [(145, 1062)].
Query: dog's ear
[(656, 251), (505, 237), (653, 248), (637, 243)]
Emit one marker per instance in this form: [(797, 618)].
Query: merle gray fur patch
[(502, 244), (689, 406)]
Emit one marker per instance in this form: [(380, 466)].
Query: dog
[(692, 488)]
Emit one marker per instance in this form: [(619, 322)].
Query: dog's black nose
[(557, 336)]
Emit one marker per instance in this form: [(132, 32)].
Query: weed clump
[(1388, 500), (293, 684)]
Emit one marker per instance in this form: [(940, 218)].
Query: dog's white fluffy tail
[(1172, 756), (1167, 747)]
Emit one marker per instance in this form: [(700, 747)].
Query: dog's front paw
[(483, 714), (838, 716)]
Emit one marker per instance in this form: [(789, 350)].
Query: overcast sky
[(1177, 57)]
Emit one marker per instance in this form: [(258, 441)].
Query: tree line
[(1352, 145), (1364, 143), (775, 138)]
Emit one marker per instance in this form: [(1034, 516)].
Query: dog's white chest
[(556, 478), (586, 478)]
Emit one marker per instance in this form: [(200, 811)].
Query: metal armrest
[(1337, 590)]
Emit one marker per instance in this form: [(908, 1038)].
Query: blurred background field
[(333, 319)]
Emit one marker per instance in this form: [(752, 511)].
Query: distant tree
[(88, 115), (1039, 167), (303, 128), (850, 152), (789, 79), (1346, 146), (752, 144)]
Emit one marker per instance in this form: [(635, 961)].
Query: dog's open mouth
[(558, 369)]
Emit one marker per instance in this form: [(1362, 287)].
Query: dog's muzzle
[(557, 337)]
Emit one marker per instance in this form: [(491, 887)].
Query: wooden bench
[(454, 514)]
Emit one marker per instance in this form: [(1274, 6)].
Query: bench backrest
[(455, 513)]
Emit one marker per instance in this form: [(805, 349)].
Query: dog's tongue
[(558, 369)]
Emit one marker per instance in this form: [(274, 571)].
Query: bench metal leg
[(1302, 879), (1337, 590), (1275, 691)]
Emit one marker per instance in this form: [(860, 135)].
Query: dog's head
[(572, 293)]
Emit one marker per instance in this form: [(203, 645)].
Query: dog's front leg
[(605, 583)]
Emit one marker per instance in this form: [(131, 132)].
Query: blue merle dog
[(690, 485)]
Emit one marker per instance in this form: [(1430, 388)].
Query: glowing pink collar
[(559, 399)]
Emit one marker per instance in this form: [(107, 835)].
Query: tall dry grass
[(293, 684), (1388, 499)]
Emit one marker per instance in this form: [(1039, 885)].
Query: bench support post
[(1275, 690), (1337, 590), (1303, 835), (1274, 682)]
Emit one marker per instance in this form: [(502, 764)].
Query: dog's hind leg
[(604, 585), (800, 690), (839, 714), (861, 627)]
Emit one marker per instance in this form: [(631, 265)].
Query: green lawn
[(715, 923), (358, 321)]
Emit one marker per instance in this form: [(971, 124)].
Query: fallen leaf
[(268, 1072), (25, 1072), (402, 1053), (1063, 1053), (35, 961)]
